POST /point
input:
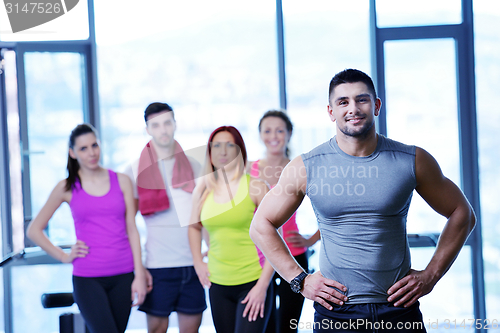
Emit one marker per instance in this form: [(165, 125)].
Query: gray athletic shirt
[(361, 204)]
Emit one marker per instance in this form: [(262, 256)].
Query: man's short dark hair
[(351, 76), (157, 107)]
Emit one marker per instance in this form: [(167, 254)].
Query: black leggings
[(290, 303), (104, 302), (227, 310)]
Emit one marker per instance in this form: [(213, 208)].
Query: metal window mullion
[(7, 303), (90, 90), (23, 132), (76, 46), (6, 204), (5, 195), (378, 67), (419, 32), (380, 70), (91, 93), (469, 150), (281, 54)]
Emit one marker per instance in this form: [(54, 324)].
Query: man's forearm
[(267, 238), (455, 233)]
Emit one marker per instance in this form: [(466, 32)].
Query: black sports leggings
[(290, 304), (104, 302), (227, 310)]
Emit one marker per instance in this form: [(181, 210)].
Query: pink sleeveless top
[(100, 223), (290, 225)]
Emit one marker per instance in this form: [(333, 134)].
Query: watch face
[(296, 283), (295, 286)]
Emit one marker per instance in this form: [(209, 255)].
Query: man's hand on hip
[(320, 289), (409, 289)]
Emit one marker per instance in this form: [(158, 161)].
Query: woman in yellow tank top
[(224, 202)]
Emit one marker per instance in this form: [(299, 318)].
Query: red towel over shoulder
[(150, 185)]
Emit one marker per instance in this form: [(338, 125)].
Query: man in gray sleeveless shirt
[(360, 185)]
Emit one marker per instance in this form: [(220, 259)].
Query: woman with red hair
[(224, 202)]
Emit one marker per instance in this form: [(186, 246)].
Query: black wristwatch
[(297, 283)]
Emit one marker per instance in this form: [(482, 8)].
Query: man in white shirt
[(165, 203)]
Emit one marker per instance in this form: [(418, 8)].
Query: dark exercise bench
[(68, 322)]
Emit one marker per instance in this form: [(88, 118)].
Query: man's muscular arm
[(448, 200), (276, 208)]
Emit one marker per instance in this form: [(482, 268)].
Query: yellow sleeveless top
[(232, 257)]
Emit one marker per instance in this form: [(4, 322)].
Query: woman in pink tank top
[(275, 130), (107, 250)]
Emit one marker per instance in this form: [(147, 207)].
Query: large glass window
[(487, 54), (215, 65), (421, 104), (55, 107), (395, 13), (315, 50)]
